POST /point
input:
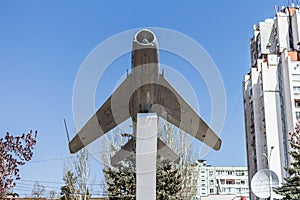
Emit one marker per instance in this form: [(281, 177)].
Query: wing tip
[(218, 145), (75, 145)]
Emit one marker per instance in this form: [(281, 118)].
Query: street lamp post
[(268, 157)]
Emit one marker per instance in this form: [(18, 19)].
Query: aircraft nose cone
[(145, 36)]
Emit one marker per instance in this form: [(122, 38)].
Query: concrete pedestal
[(146, 149)]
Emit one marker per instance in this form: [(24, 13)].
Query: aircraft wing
[(113, 112), (178, 112)]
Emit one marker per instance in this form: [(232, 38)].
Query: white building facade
[(205, 180), (272, 92)]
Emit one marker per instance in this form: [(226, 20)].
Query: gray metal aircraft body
[(144, 90)]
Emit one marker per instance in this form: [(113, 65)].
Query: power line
[(48, 160), (51, 182), (226, 93)]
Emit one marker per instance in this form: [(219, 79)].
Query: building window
[(297, 103), (252, 116), (243, 182), (296, 89), (263, 122), (242, 173), (211, 191), (296, 77), (297, 115), (211, 173), (211, 182), (229, 181), (221, 172)]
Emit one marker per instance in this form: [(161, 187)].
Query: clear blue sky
[(43, 43)]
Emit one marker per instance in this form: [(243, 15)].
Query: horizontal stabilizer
[(129, 149)]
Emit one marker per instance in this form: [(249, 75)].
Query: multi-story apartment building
[(204, 180), (272, 92)]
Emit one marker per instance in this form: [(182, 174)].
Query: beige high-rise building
[(272, 92)]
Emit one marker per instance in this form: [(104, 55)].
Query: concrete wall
[(272, 115)]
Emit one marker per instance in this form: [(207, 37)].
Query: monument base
[(146, 150)]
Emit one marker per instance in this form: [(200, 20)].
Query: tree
[(68, 191), (38, 190), (121, 180), (176, 139), (14, 151), (82, 166), (182, 144), (290, 189), (52, 194), (168, 181), (76, 177)]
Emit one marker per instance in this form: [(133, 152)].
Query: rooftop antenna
[(289, 2), (276, 9), (67, 132), (293, 2)]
